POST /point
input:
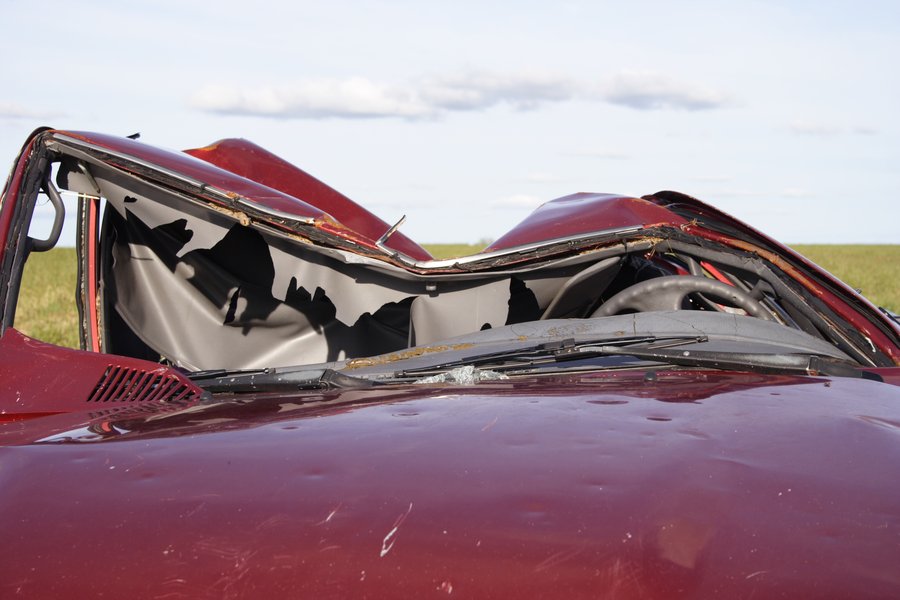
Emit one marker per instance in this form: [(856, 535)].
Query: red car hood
[(690, 485)]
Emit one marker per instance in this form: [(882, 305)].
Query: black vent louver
[(121, 384)]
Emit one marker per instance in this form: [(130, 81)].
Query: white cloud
[(431, 97), (473, 91), (648, 90), (359, 97), (517, 201), (348, 98)]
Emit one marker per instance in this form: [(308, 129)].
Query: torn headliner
[(560, 234), (195, 286)]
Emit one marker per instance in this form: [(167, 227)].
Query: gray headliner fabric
[(206, 292)]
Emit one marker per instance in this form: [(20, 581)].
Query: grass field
[(46, 309), (874, 270), (452, 250)]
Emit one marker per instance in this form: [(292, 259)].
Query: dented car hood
[(681, 485)]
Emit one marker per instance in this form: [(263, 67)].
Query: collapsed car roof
[(229, 257)]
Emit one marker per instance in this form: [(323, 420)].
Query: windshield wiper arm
[(802, 364), (653, 349), (555, 351), (275, 380)]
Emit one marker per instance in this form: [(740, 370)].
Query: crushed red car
[(280, 395)]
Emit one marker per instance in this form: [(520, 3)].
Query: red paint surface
[(202, 171), (232, 184), (39, 377), (579, 214), (248, 160), (695, 485), (10, 195)]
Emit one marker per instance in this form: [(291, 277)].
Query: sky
[(465, 116)]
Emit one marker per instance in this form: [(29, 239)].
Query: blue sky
[(465, 116)]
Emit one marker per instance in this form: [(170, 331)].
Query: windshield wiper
[(276, 380), (286, 379), (800, 364), (657, 350), (547, 352), (523, 360)]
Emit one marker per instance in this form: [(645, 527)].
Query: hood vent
[(121, 384)]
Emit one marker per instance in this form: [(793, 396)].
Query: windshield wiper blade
[(275, 380), (653, 349), (801, 364), (555, 351)]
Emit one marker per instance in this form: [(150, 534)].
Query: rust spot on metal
[(358, 363), (237, 215), (692, 223), (326, 221), (295, 237)]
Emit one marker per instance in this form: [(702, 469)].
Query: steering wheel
[(667, 293)]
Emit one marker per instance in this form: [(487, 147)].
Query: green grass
[(46, 308), (453, 250), (875, 270)]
